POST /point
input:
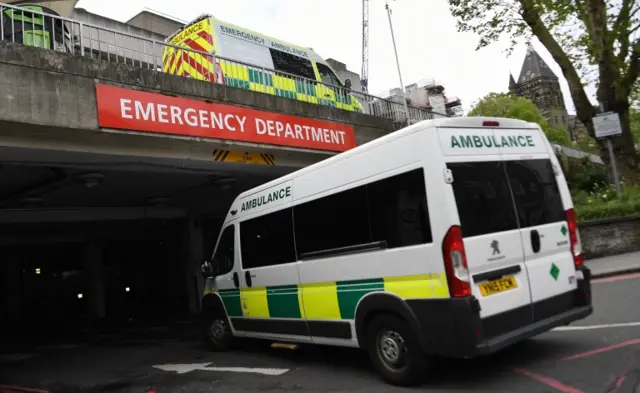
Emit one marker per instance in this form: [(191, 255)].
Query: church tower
[(538, 83)]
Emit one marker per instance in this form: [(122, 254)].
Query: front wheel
[(217, 332), (395, 351)]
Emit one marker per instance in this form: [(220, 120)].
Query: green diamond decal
[(555, 271), (564, 230)]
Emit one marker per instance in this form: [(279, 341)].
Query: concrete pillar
[(95, 273), (193, 258), (13, 287)]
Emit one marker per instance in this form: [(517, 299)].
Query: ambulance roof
[(219, 21), (448, 122)]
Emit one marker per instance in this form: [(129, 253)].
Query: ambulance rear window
[(483, 198), (536, 192), (499, 196)]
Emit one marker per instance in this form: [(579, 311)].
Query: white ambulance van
[(450, 238)]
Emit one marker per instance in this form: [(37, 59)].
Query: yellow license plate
[(502, 285)]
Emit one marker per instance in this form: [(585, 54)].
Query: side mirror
[(207, 269), (347, 83)]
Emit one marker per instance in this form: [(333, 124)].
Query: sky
[(427, 41)]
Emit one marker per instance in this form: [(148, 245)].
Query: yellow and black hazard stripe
[(244, 157), (336, 300)]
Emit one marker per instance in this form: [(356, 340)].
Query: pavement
[(600, 354), (614, 265)]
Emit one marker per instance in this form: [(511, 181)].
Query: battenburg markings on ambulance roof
[(472, 141), (266, 199)]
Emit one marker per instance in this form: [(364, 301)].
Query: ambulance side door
[(269, 279)]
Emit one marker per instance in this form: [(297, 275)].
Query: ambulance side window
[(267, 240), (328, 77), (291, 64), (224, 255)]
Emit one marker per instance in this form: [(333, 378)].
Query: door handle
[(247, 278), (236, 279), (535, 241)]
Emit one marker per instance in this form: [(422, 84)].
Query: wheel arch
[(384, 303), (212, 303)]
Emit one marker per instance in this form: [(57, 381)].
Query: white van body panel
[(480, 258), (534, 281), (432, 146)]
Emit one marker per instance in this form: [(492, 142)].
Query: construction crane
[(364, 74)]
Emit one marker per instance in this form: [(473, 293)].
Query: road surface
[(597, 355)]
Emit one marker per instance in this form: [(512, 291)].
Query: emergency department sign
[(135, 110)]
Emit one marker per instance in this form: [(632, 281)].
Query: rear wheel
[(395, 351), (216, 331)]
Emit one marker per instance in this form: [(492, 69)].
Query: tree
[(514, 107), (634, 116), (591, 40)]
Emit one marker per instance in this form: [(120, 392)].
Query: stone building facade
[(540, 84)]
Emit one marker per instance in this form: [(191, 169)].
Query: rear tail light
[(574, 237), (455, 263), (489, 123)]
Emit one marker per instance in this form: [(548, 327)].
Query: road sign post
[(607, 125)]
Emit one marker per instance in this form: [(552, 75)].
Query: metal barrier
[(67, 35), (577, 153)]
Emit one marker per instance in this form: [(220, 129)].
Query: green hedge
[(604, 203)]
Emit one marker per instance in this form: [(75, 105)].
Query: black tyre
[(395, 351), (216, 331)]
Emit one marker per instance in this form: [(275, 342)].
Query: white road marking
[(593, 327), (186, 368)]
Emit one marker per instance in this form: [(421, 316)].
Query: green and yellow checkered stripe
[(245, 77), (326, 300)]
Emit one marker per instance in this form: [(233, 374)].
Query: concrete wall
[(47, 88), (344, 74), (155, 23), (610, 237), (82, 15)]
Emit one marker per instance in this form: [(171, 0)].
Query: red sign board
[(151, 112)]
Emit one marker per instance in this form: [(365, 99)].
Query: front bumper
[(453, 327)]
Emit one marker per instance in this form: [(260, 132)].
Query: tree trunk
[(623, 145)]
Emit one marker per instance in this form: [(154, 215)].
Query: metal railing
[(576, 153)]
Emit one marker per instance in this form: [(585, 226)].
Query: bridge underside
[(112, 227)]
